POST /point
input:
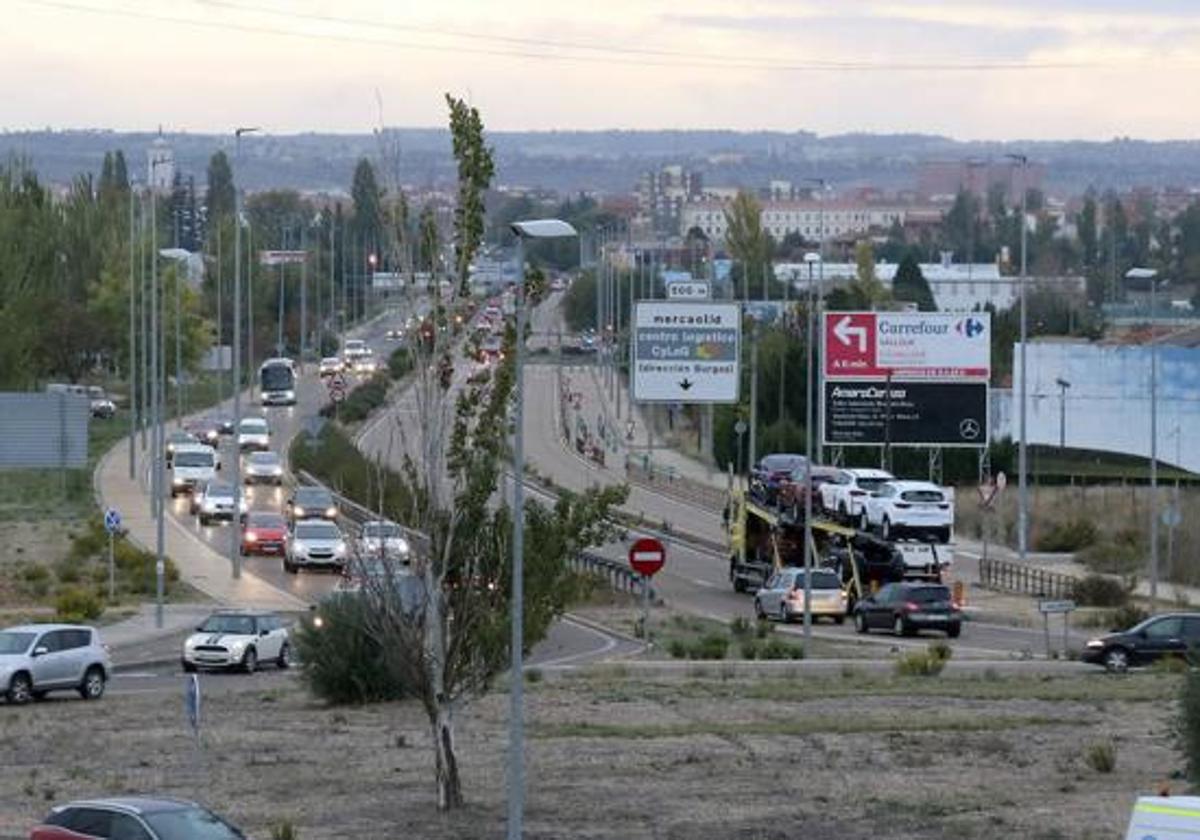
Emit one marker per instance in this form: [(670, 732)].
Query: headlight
[(209, 505), (251, 536), (1095, 643), (339, 550), (402, 546), (276, 470), (177, 481), (331, 512), (170, 447), (242, 506), (299, 547), (236, 648), (191, 642), (298, 511), (289, 395)]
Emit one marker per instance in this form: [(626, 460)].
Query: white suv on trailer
[(842, 495), (909, 507)]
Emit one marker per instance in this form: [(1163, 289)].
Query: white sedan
[(384, 540), (912, 507)]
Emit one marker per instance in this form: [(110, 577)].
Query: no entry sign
[(647, 556)]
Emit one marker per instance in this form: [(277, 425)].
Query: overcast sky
[(971, 69)]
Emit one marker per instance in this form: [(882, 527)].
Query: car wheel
[(860, 622), (942, 535), (954, 631), (900, 627), (250, 661), (885, 529), (92, 687), (20, 690), (188, 668), (285, 656), (758, 610), (203, 520), (1116, 660), (843, 514)]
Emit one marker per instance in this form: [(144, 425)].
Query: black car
[(1171, 634), (768, 473), (311, 502), (908, 608)]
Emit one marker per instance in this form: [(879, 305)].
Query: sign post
[(1059, 607), (191, 707), (112, 524), (989, 492), (646, 557)]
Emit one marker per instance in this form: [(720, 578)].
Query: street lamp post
[(235, 536), (132, 366), (532, 229), (1022, 454), (810, 398), (824, 185), (1063, 385), (1152, 275)]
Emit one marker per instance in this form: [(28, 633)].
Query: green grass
[(796, 726)]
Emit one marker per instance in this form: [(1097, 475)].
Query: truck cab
[(193, 465)]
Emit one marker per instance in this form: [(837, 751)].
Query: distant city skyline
[(971, 69)]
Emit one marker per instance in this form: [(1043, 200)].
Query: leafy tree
[(1088, 237), (910, 285), (865, 291), (476, 167), (747, 239), (367, 220), (429, 242), (120, 171), (222, 196)]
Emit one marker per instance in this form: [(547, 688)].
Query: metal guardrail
[(1006, 576), (619, 576)]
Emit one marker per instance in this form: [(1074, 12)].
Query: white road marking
[(610, 642), (706, 583)]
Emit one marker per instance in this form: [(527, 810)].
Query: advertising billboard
[(908, 345), (686, 352), (915, 413)]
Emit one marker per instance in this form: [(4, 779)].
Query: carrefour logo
[(969, 327)]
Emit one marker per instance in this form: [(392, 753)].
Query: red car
[(790, 495), (264, 533)]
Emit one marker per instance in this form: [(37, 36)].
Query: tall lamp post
[(1022, 454), (824, 185), (532, 229), (809, 399), (235, 536), (1152, 276), (1063, 385)]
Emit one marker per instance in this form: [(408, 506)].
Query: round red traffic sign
[(647, 556)]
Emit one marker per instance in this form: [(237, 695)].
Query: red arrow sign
[(647, 556)]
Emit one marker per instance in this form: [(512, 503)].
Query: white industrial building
[(956, 287), (779, 218)]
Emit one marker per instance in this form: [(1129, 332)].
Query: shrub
[(1170, 665), (284, 831), (75, 604), (1101, 756), (777, 648), (1100, 591), (1187, 725), (709, 646), (924, 663), (341, 662), (361, 401), (740, 626), (400, 363), (1071, 535), (678, 649), (751, 649), (1127, 616)]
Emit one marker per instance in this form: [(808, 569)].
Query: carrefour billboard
[(939, 365), (908, 345)]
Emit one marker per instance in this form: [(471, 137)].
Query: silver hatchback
[(39, 658)]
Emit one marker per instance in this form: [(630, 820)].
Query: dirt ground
[(613, 755)]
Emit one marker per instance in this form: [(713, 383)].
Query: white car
[(366, 363), (843, 494), (386, 540), (216, 502), (253, 433), (238, 639), (193, 465), (908, 507), (330, 366), (315, 542), (262, 468)]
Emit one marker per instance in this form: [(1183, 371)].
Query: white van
[(193, 465)]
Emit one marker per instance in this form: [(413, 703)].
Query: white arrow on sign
[(844, 332)]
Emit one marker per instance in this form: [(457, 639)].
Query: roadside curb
[(601, 628)]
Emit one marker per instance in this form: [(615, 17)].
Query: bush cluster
[(1187, 725), (400, 363), (360, 402), (924, 663), (334, 461), (341, 662), (1071, 535), (1101, 756), (1101, 591), (708, 646), (774, 648), (1126, 616), (74, 605), (134, 569), (1120, 555)]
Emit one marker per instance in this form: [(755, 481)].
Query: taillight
[(912, 606)]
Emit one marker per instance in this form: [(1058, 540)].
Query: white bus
[(277, 382)]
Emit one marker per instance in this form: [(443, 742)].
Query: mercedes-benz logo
[(969, 429)]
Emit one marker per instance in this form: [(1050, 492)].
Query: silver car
[(315, 542), (263, 468), (384, 540), (39, 658)]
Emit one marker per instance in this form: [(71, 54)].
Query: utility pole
[(132, 366), (157, 444), (235, 536), (1153, 444), (220, 326), (303, 294), (752, 459), (178, 330), (144, 282), (815, 303), (1022, 454)]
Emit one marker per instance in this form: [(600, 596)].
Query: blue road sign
[(112, 521), (191, 701)]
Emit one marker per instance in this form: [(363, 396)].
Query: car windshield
[(266, 520), (242, 625), (180, 437), (254, 426), (871, 483), (193, 459), (921, 496), (264, 459), (11, 643), (191, 824), (317, 531), (313, 497), (381, 530), (929, 594), (219, 490)]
